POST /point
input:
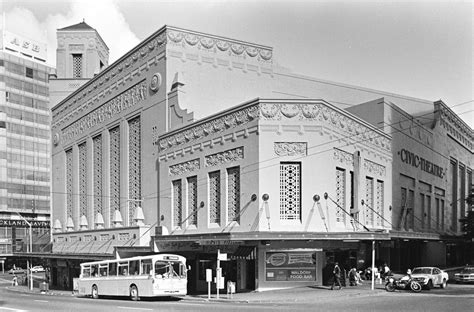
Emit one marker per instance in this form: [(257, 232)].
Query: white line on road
[(41, 300), (130, 308), (11, 309)]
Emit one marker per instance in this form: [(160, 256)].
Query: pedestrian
[(15, 280), (353, 277), (386, 271), (336, 276)]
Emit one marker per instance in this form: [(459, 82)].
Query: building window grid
[(214, 197), (83, 179), (134, 165), (380, 203), (192, 200), (69, 184), (233, 194), (177, 203), (340, 194), (97, 146), (369, 200), (290, 191), (77, 65), (114, 171)]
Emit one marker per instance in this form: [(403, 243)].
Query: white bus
[(147, 276)]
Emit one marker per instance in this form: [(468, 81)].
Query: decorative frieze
[(374, 168), (343, 157), (184, 167), (224, 157), (455, 127), (290, 148), (124, 101)]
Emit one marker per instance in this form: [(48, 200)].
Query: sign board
[(290, 266), (24, 45), (208, 275), (222, 256), (23, 224)]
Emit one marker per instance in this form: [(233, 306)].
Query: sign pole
[(218, 271), (373, 264)]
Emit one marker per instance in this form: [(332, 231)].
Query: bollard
[(43, 287)]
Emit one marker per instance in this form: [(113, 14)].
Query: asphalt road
[(454, 298)]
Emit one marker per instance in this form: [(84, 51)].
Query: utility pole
[(28, 271)]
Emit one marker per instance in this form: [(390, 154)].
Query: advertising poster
[(290, 266)]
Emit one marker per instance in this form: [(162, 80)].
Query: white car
[(465, 276), (37, 269), (429, 277)]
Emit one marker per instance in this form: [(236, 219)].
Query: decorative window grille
[(233, 194), (192, 200), (77, 65), (410, 209), (83, 179), (214, 197), (379, 203), (340, 194), (134, 165), (69, 184), (290, 191), (114, 171), (369, 201), (177, 203), (97, 151)]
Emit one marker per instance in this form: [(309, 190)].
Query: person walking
[(336, 276)]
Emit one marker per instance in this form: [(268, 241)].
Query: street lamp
[(28, 272)]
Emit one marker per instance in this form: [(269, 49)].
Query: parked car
[(465, 276), (16, 270), (429, 277), (37, 269)]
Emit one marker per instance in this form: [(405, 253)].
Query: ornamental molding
[(224, 157), (343, 157), (184, 167), (127, 99), (209, 128), (290, 148), (327, 115), (455, 127), (374, 168)]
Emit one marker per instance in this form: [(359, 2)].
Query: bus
[(146, 276)]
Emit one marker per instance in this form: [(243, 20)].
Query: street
[(454, 298)]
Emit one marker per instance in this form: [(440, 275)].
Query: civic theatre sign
[(23, 224), (419, 162)]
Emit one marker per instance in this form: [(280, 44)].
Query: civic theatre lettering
[(419, 162), (290, 266), (124, 101), (23, 224)]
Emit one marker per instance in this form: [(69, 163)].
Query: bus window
[(94, 270), (86, 271), (123, 268), (161, 268), (146, 266), (134, 267), (103, 269), (112, 269)]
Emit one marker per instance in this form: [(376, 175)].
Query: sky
[(419, 48)]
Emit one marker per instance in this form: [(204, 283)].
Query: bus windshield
[(169, 269)]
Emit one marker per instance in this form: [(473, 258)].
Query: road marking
[(41, 300), (130, 308), (11, 309)]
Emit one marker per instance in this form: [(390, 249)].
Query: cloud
[(103, 15)]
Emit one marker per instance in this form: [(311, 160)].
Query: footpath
[(308, 294)]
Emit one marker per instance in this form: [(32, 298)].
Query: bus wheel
[(134, 293), (95, 292)]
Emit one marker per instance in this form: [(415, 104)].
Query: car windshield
[(421, 271), (468, 270)]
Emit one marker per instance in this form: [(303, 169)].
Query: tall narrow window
[(192, 200), (83, 179), (177, 203), (379, 203), (423, 212), (134, 166), (233, 194), (341, 193), (454, 196), (77, 66), (114, 163), (69, 185), (462, 190), (411, 210), (369, 201), (29, 72), (214, 197), (290, 191), (97, 156), (428, 212)]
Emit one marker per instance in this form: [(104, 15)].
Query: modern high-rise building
[(25, 160)]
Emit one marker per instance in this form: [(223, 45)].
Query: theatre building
[(193, 143)]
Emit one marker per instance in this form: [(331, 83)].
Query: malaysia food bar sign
[(23, 224)]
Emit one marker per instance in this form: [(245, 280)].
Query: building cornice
[(454, 125)]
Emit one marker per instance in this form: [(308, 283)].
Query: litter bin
[(44, 287), (230, 288)]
